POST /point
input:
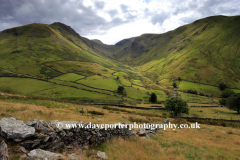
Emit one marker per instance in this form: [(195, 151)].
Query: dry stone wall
[(47, 136)]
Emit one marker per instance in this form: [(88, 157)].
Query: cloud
[(111, 21)]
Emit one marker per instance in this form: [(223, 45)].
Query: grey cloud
[(99, 4), (124, 8), (86, 21), (34, 11), (113, 12), (159, 18)]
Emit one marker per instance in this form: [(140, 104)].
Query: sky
[(113, 20)]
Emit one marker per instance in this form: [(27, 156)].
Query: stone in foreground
[(13, 128), (38, 153), (4, 151), (102, 155)]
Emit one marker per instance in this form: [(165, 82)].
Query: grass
[(214, 112), (70, 77), (208, 142), (33, 87), (100, 82), (192, 98)]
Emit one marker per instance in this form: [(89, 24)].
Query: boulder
[(4, 151), (73, 157), (166, 121), (67, 125), (102, 155), (38, 153), (13, 128)]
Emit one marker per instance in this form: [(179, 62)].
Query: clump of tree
[(153, 98), (223, 101), (176, 105), (222, 86), (174, 84), (227, 93), (192, 91), (120, 90), (233, 102)]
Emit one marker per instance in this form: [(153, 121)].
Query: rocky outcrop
[(4, 151)]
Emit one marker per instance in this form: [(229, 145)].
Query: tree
[(227, 93), (153, 98), (176, 105), (222, 86), (174, 84), (120, 89), (223, 101), (233, 102), (179, 79)]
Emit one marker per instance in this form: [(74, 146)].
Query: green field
[(196, 98), (70, 77), (213, 112), (184, 85), (100, 82), (32, 87)]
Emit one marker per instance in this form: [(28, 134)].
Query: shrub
[(223, 101), (233, 102), (179, 78), (120, 89), (222, 86), (95, 112), (174, 84), (153, 98), (227, 93), (192, 91), (176, 105)]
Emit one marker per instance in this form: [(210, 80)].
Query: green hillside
[(59, 63), (56, 58), (26, 49), (205, 51)]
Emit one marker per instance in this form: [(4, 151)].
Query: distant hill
[(26, 49), (205, 51), (97, 41)]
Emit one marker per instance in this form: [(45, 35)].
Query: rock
[(102, 155), (67, 125), (38, 153), (141, 132), (73, 156), (4, 151), (21, 150), (99, 119), (13, 128), (166, 121)]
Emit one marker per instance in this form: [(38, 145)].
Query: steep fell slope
[(205, 51)]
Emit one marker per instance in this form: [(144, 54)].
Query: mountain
[(205, 51), (27, 49), (201, 55)]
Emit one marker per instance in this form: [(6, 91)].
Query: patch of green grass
[(184, 85), (100, 82), (196, 98), (70, 77)]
